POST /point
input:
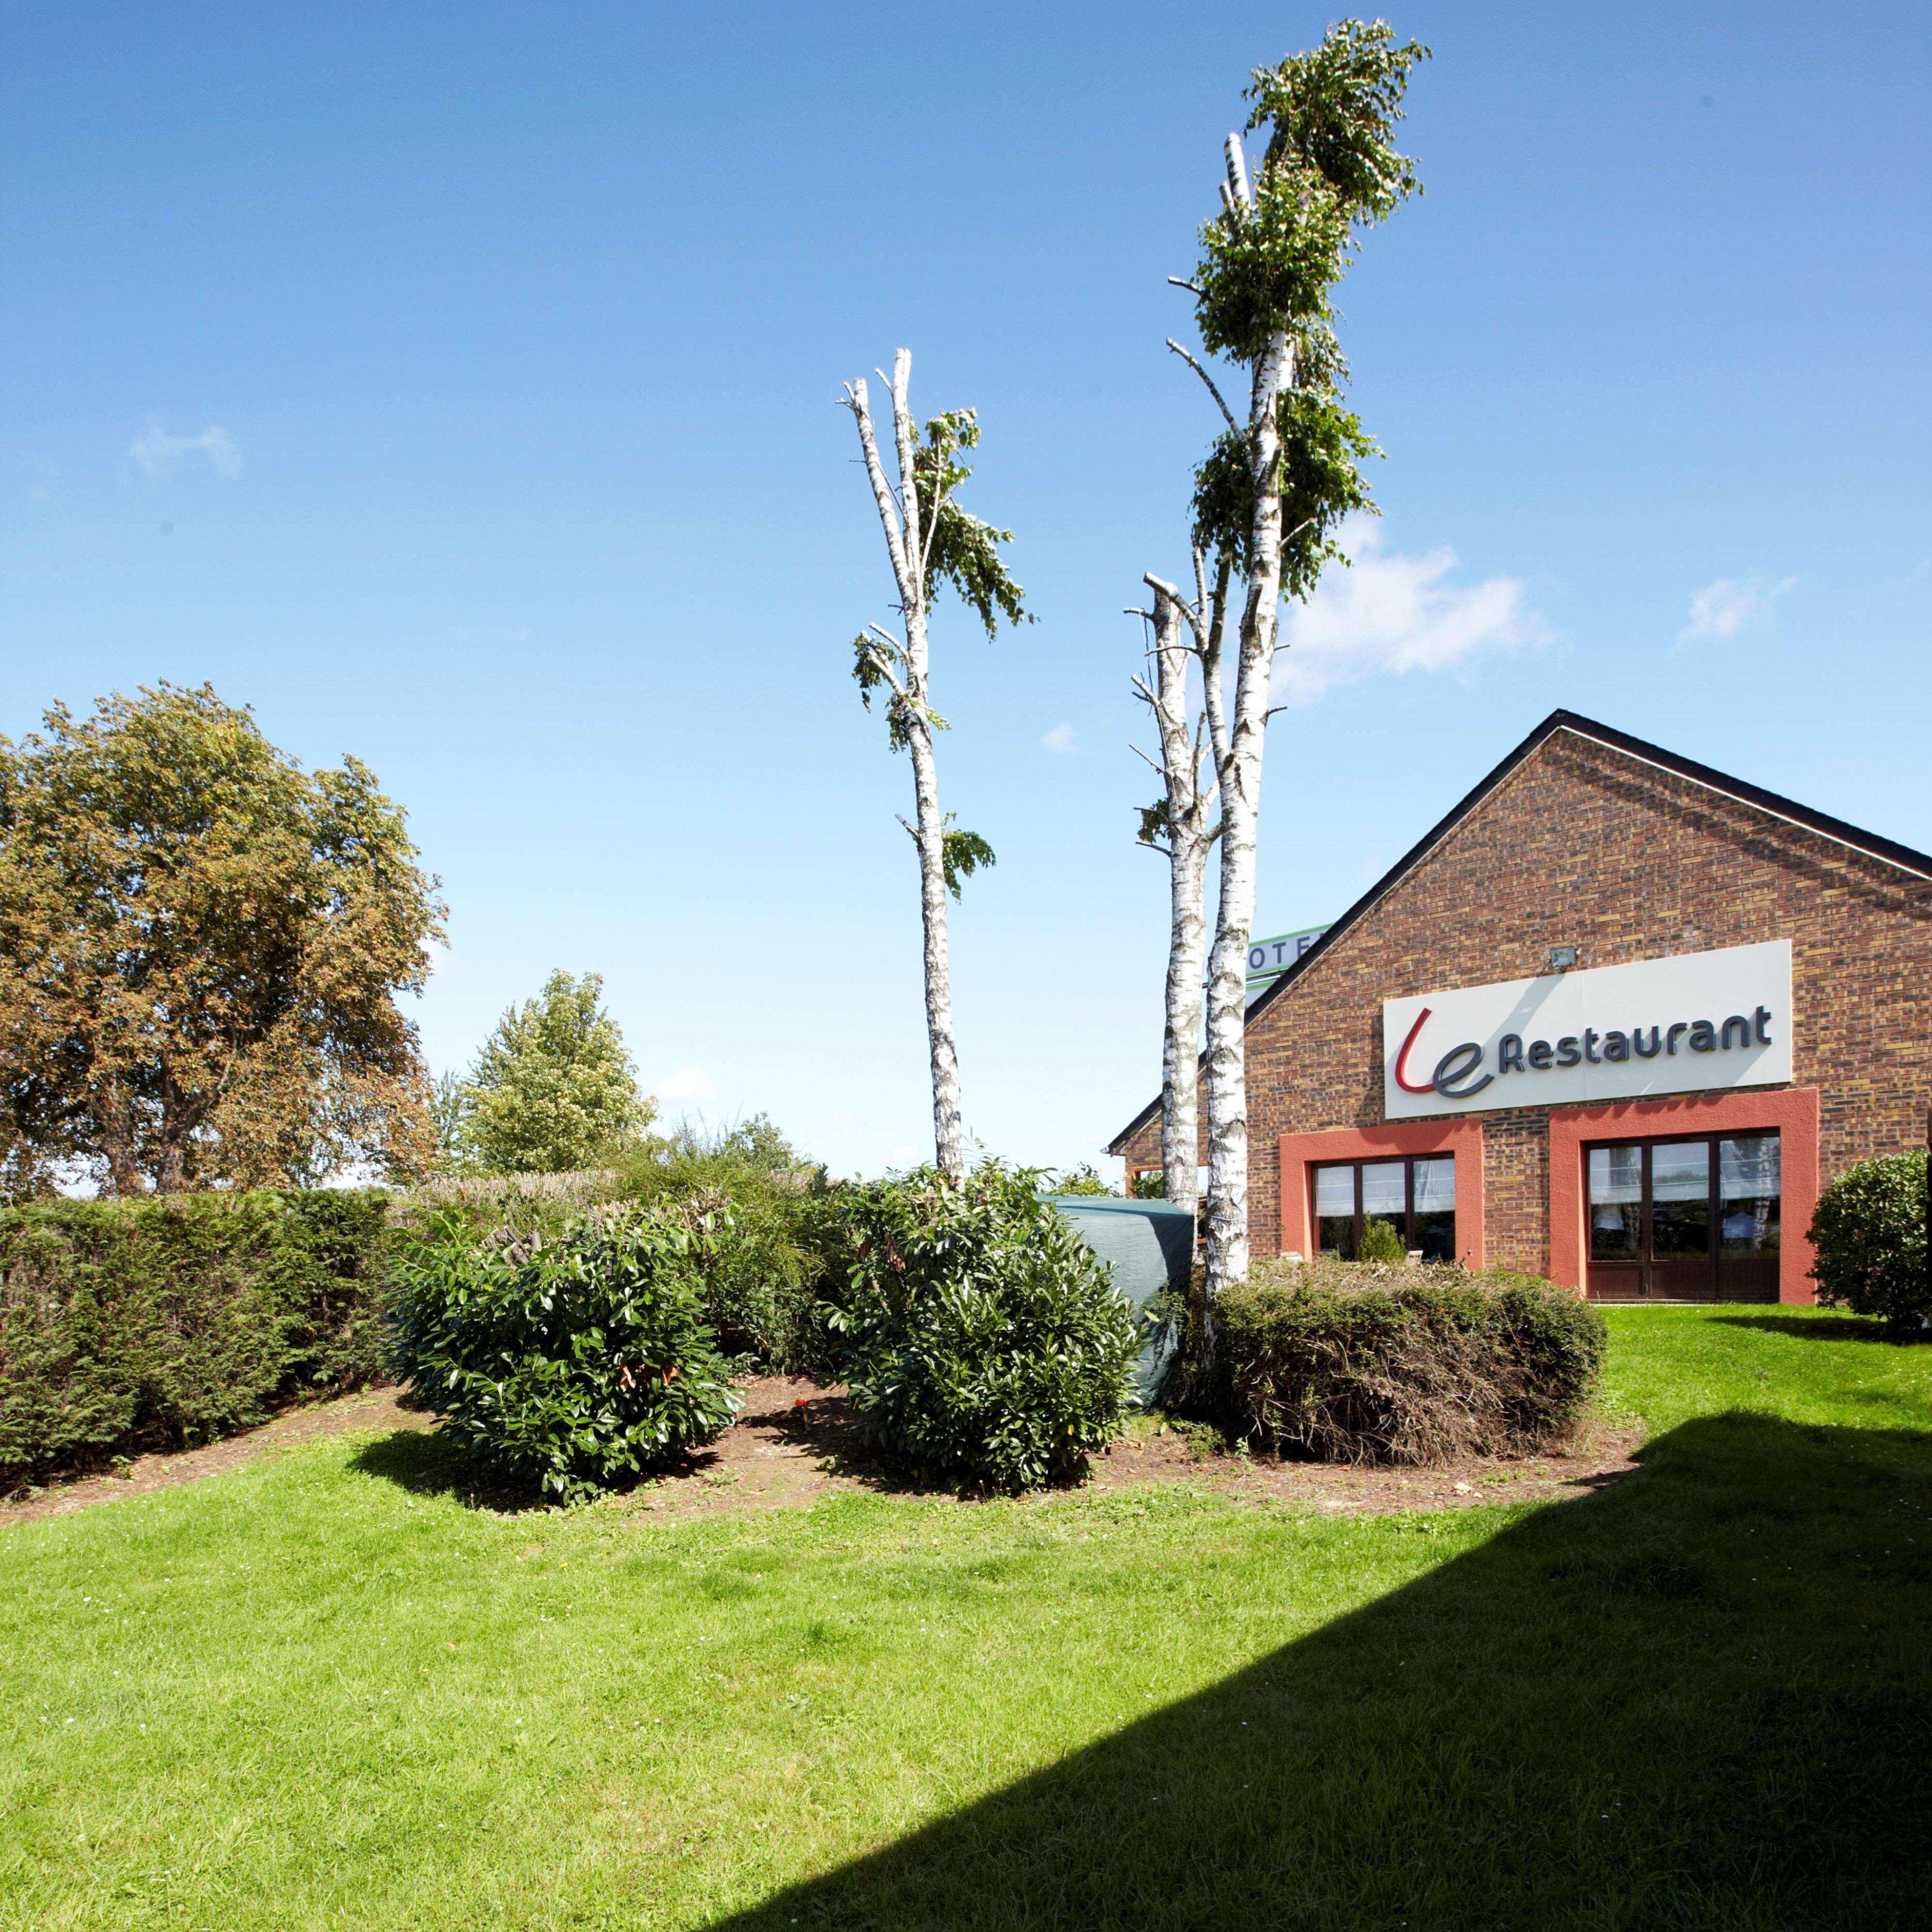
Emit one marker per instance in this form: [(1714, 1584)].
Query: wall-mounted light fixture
[(1561, 958)]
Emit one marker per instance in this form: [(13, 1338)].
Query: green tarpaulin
[(1150, 1246)]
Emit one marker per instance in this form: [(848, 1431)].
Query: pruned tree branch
[(1220, 402)]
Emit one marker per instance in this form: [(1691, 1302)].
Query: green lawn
[(303, 1694)]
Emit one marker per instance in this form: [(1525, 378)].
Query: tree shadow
[(826, 1426), (429, 1463), (1828, 1328), (1700, 1698)]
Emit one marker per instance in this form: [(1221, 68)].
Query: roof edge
[(1872, 844)]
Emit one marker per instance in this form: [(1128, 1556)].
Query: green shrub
[(1381, 1241), (1870, 1232), (1355, 1363), (778, 1242), (776, 1245), (127, 1325), (573, 1360), (981, 1337)]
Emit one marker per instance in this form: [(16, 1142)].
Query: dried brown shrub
[(1353, 1363)]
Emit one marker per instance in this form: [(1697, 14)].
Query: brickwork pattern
[(1585, 845)]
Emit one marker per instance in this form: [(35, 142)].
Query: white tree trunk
[(1187, 867), (904, 539), (949, 1135), (1241, 811)]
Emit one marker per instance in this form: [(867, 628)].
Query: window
[(1416, 1197), (1692, 1220)]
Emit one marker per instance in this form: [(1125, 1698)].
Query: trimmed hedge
[(155, 1324), (1870, 1232), (1356, 1363)]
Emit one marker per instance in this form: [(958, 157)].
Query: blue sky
[(457, 387)]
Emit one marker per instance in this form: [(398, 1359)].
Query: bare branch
[(904, 435), (1160, 771), (1179, 282), (1227, 414), (1238, 172), (858, 403), (1161, 587)]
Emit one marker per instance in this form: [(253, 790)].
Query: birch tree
[(931, 541), (1279, 479), (1182, 822)]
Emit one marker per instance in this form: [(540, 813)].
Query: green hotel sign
[(1269, 958)]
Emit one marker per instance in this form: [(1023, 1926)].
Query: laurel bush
[(1869, 1230), (574, 1360), (982, 1339)]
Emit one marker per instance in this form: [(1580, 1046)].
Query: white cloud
[(1723, 609), (1395, 613), (160, 455), (842, 1116), (907, 1154), (1060, 738), (687, 1085)]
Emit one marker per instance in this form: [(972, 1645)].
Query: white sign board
[(1607, 1033)]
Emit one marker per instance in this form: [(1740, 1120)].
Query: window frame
[(1359, 1222), (1644, 1262)]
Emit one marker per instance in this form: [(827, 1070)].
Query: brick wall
[(1585, 845)]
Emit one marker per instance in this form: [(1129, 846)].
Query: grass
[(318, 1691)]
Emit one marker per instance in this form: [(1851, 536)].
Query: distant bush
[(981, 1337), (779, 1247), (1085, 1179), (130, 1325), (1870, 1233), (1357, 1364), (573, 1360), (771, 1256)]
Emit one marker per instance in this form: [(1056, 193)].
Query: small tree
[(1870, 1232), (201, 950), (554, 1089), (930, 541)]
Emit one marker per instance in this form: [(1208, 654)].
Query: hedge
[(127, 1326), (1357, 1363)]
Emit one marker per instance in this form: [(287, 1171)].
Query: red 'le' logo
[(1402, 1078)]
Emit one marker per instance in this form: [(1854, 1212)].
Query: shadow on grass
[(827, 1428), (1828, 1328), (1702, 1698), (431, 1464)]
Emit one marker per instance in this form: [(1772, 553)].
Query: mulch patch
[(796, 1441)]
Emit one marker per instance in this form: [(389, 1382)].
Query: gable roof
[(1869, 843)]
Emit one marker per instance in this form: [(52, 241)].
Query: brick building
[(1615, 1020)]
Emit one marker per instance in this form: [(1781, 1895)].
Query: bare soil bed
[(796, 1441)]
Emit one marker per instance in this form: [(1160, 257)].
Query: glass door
[(1684, 1219)]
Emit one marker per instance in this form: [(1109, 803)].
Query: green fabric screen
[(1150, 1246)]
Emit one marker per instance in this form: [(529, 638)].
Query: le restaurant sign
[(1609, 1033)]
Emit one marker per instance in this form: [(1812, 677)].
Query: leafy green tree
[(202, 947), (554, 1089), (1272, 494)]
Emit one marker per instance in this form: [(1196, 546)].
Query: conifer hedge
[(126, 1326)]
